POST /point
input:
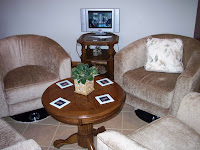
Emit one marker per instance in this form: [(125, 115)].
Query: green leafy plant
[(82, 73)]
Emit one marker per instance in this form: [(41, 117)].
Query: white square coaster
[(60, 102), (104, 82), (103, 99), (64, 84)]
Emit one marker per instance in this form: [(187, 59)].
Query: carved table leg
[(99, 130), (70, 140), (84, 137), (85, 133), (90, 145)]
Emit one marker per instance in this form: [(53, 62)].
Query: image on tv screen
[(100, 19)]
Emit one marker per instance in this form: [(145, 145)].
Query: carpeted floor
[(44, 132)]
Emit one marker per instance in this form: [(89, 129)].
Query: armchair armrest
[(130, 57), (189, 111), (3, 105), (187, 82), (111, 140), (24, 145)]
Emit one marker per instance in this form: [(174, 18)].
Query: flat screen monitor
[(100, 20)]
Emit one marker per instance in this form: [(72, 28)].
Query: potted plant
[(83, 76)]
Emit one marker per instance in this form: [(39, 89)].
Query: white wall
[(60, 19)]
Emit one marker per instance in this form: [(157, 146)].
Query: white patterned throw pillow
[(164, 55)]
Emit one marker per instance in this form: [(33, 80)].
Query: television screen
[(100, 19)]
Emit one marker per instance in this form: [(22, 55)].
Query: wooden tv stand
[(86, 40)]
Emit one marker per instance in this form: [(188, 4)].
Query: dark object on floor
[(145, 116), (31, 116)]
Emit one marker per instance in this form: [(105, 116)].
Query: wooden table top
[(83, 109)]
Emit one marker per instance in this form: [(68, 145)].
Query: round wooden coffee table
[(83, 111)]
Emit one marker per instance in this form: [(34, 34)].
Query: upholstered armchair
[(156, 92), (167, 133), (28, 65)]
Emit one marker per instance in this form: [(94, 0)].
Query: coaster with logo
[(60, 102), (104, 82), (64, 84), (103, 99)]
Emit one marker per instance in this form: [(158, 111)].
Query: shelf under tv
[(103, 57), (107, 55)]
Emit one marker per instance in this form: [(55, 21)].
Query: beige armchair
[(167, 133), (155, 92), (28, 65)]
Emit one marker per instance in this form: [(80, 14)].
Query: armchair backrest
[(21, 50)]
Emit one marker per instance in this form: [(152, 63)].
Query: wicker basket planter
[(84, 89)]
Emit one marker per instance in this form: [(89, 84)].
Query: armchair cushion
[(153, 87), (27, 82), (164, 55), (167, 133)]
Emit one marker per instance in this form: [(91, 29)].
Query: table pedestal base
[(84, 137)]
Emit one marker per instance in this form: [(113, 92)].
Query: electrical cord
[(77, 50)]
